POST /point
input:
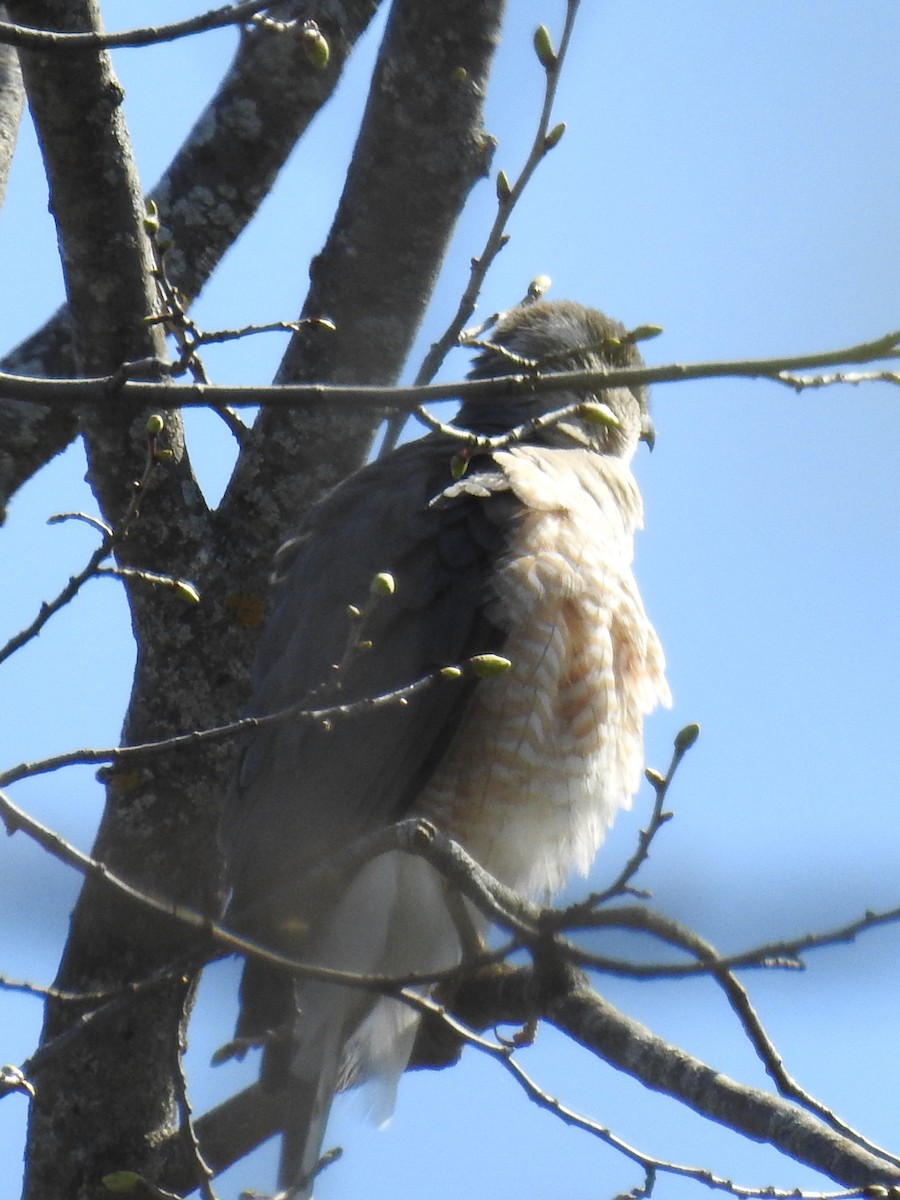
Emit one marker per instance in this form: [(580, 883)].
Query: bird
[(516, 549)]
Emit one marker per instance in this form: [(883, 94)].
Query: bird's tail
[(307, 1106), (392, 920)]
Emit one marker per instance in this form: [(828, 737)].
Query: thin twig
[(780, 955), (506, 203), (507, 199), (94, 522), (800, 383), (111, 539), (113, 389), (503, 1052), (28, 38), (676, 934), (182, 327), (182, 587), (301, 711), (413, 835), (203, 1171), (684, 740)]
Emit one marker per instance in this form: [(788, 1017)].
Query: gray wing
[(305, 791)]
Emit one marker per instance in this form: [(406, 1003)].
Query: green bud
[(686, 737), (450, 672), (459, 75), (122, 1182), (459, 464), (644, 333), (151, 218), (503, 188), (155, 425), (187, 591), (354, 612), (554, 137), (488, 666), (543, 48), (383, 584), (539, 286), (315, 46), (596, 413), (654, 777)]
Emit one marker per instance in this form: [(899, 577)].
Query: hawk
[(526, 554)]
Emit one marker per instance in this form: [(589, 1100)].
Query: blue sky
[(730, 172)]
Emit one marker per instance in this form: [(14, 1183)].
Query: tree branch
[(104, 391), (629, 1046), (420, 149), (12, 101), (223, 169), (507, 199), (27, 37)]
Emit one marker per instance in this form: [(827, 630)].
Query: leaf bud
[(383, 584), (686, 737), (644, 333), (151, 218), (488, 666), (122, 1182), (543, 48), (554, 137), (315, 46), (187, 591), (459, 464), (539, 286), (596, 413)]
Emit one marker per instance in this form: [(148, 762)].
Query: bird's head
[(548, 336)]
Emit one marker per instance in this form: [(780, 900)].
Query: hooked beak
[(648, 433)]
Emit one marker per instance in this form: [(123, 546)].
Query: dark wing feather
[(305, 791)]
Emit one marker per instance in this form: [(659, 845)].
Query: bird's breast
[(550, 751)]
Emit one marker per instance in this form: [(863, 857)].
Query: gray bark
[(225, 166), (12, 100), (106, 1099)]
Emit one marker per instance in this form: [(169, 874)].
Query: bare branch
[(420, 150), (585, 1016), (203, 1172), (224, 168), (800, 383), (507, 199), (672, 932), (661, 784), (27, 37), (324, 714), (92, 568), (104, 390), (781, 955), (629, 1046)]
